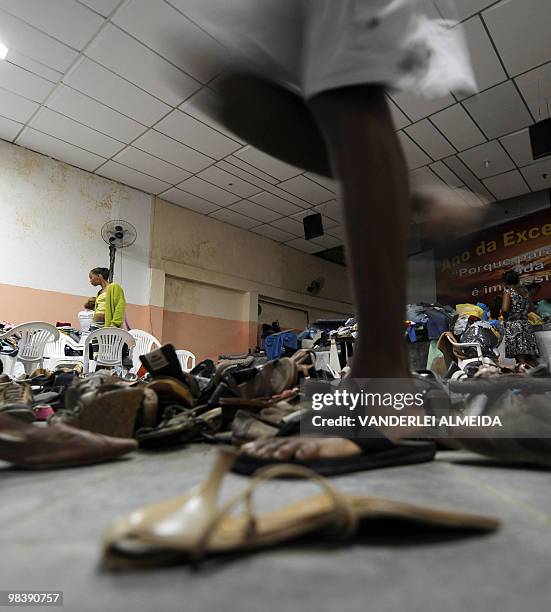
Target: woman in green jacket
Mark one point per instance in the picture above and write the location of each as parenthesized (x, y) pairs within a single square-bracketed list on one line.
[(110, 302)]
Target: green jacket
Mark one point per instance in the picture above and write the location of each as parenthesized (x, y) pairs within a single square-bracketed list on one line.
[(115, 306)]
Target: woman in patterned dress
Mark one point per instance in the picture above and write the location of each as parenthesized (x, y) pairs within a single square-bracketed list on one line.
[(520, 341)]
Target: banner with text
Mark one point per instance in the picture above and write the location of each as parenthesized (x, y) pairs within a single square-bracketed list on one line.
[(470, 269)]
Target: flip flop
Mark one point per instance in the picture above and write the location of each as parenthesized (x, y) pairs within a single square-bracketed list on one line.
[(194, 526), (376, 452)]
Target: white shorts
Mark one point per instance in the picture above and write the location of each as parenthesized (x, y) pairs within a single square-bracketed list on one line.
[(311, 46)]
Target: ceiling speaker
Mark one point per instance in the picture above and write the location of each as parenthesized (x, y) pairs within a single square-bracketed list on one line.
[(313, 226), (540, 138)]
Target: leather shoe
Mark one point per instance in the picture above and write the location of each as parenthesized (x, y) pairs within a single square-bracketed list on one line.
[(33, 447)]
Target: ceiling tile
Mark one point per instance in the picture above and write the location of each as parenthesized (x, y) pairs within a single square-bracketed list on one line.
[(269, 200), (459, 128), (237, 167), (487, 68), (103, 7), (446, 174), (415, 157), (461, 9), (228, 181), (508, 185), (520, 30), (430, 139), (172, 151), (285, 195), (170, 34), (339, 232), (425, 177), (292, 226), (125, 56), (468, 178), (24, 83), (324, 181), (9, 128), (65, 20), (268, 164), (66, 129), (518, 147), (83, 109), (187, 200), (131, 177), (398, 117), (16, 34), (101, 84), (204, 106), (487, 159), (250, 209), (418, 108), (207, 191), (195, 134), (327, 241), (15, 107), (148, 164), (511, 116), (37, 141), (38, 68), (307, 190), (234, 218), (535, 87), (273, 232), (534, 175), (304, 245), (333, 210)]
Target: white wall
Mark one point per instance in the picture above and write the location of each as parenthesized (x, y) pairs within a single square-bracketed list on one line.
[(51, 216)]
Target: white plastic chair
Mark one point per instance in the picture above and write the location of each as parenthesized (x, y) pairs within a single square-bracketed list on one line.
[(478, 359), (54, 353), (145, 343), (110, 342), (186, 359), (34, 337)]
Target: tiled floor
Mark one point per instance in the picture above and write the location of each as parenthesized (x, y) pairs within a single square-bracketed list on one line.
[(51, 525)]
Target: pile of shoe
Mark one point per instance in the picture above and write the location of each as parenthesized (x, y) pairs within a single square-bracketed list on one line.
[(232, 401)]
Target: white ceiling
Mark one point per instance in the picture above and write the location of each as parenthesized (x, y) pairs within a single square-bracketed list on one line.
[(101, 85)]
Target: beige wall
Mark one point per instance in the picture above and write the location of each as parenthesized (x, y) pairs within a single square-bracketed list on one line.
[(207, 277)]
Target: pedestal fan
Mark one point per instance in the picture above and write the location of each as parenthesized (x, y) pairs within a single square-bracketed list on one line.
[(118, 234)]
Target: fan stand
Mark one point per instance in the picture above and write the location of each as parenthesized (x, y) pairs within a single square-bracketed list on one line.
[(112, 252)]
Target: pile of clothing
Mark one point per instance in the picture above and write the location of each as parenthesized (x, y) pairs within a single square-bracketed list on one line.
[(427, 321)]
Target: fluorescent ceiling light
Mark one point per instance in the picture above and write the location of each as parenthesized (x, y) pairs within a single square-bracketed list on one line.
[(3, 51)]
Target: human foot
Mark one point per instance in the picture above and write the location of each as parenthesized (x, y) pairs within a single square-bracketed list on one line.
[(302, 448)]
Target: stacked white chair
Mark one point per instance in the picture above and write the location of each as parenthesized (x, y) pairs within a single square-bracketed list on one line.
[(186, 359), (110, 341), (34, 337), (145, 343), (54, 353)]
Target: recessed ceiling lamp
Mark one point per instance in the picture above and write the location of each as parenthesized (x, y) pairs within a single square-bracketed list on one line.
[(3, 51)]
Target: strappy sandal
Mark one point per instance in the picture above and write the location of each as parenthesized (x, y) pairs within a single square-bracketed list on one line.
[(193, 526)]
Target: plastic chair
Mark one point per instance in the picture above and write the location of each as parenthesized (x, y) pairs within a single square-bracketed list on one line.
[(110, 342), (186, 359), (145, 343), (459, 355), (34, 337), (55, 355)]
